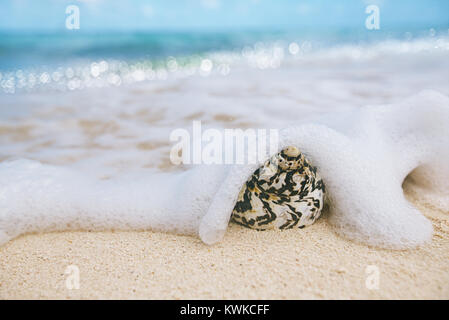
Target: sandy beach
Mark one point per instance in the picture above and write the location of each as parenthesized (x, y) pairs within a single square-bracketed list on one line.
[(312, 263), (138, 139)]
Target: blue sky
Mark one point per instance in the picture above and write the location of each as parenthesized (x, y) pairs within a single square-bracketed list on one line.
[(218, 14)]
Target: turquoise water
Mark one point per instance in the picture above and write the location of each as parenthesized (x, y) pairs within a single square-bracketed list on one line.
[(33, 34), (32, 61), (24, 50)]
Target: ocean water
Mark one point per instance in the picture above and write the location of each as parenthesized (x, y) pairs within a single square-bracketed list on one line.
[(31, 61), (85, 124), (21, 49)]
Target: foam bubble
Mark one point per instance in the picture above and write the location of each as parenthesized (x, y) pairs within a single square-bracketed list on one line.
[(35, 197), (364, 156)]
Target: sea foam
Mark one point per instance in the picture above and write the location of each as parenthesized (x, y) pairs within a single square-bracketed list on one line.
[(363, 155)]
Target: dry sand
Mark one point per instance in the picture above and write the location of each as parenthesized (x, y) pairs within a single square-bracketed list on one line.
[(295, 264)]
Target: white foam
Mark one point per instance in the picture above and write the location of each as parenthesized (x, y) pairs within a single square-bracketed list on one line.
[(364, 157), (35, 197)]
